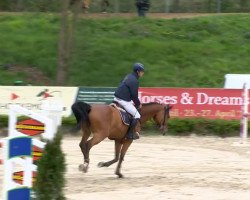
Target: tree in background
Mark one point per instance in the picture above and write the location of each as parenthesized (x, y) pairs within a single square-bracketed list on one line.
[(65, 45), (4, 5), (210, 5), (176, 5), (244, 5), (128, 5)]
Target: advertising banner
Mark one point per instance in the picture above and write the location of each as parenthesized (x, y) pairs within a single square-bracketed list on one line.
[(31, 97), (197, 102), (211, 103)]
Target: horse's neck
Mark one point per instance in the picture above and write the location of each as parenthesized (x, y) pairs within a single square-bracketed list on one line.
[(145, 118), (148, 113)]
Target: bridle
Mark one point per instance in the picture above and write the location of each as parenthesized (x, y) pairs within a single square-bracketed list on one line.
[(163, 124)]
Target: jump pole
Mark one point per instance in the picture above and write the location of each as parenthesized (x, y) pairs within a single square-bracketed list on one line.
[(1, 149), (17, 152), (244, 117)]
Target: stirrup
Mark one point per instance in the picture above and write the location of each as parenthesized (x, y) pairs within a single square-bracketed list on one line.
[(136, 135), (133, 136)]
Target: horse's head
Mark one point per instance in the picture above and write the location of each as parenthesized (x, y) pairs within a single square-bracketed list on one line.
[(160, 114), (161, 118)]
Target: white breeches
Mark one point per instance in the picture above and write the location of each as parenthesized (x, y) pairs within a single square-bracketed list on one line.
[(129, 107)]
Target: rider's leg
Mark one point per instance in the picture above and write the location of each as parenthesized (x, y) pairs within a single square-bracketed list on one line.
[(130, 108), (132, 133)]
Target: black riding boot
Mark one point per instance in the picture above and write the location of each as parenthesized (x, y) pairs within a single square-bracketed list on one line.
[(132, 134)]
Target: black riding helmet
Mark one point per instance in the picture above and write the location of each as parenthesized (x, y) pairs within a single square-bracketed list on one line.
[(138, 67)]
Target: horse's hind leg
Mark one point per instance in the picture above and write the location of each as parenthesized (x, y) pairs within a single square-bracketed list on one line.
[(124, 149), (118, 146), (84, 148), (97, 138)]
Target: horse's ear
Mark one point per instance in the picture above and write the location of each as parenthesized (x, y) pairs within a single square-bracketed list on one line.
[(169, 107)]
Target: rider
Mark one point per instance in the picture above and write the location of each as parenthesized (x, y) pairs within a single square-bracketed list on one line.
[(126, 95), (142, 7)]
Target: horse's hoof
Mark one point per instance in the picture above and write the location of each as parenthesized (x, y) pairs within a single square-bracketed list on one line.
[(101, 164), (119, 175), (83, 168)]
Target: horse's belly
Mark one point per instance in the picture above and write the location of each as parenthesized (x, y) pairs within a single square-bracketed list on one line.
[(118, 132)]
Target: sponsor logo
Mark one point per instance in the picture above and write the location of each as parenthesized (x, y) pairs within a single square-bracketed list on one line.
[(44, 94), (157, 98), (203, 98), (14, 96)]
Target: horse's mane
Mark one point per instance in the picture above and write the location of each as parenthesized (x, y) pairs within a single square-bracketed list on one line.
[(150, 103)]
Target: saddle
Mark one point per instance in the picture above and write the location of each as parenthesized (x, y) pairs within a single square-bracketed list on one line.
[(125, 116)]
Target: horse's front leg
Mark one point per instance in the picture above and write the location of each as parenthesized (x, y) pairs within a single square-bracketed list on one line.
[(124, 149), (118, 145)]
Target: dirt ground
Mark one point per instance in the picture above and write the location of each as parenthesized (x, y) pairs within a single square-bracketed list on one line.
[(161, 167), (173, 168)]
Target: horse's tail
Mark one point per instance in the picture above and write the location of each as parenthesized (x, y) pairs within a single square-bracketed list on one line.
[(81, 111)]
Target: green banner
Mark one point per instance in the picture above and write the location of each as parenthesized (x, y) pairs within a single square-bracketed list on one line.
[(94, 95)]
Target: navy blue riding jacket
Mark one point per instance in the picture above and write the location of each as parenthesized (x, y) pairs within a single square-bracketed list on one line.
[(128, 89)]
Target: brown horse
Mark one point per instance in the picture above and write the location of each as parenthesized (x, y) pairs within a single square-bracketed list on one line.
[(105, 121)]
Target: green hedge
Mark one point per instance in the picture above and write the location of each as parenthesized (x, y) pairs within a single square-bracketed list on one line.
[(201, 127), (51, 168), (180, 127), (222, 128), (3, 121)]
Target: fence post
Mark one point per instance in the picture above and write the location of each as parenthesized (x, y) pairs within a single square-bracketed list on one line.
[(245, 114)]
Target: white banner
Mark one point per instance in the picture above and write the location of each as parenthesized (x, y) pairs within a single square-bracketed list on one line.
[(31, 97)]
